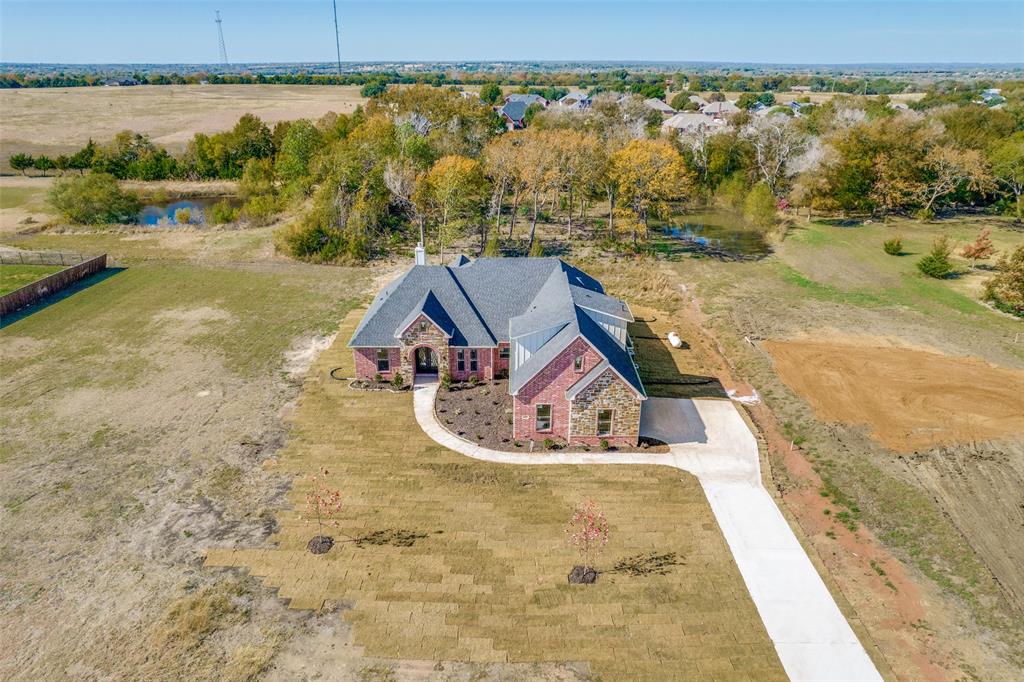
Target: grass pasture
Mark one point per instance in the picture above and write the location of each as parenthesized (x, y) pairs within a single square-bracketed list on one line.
[(457, 559), (16, 276)]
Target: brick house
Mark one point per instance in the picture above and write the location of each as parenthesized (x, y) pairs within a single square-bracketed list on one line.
[(547, 326)]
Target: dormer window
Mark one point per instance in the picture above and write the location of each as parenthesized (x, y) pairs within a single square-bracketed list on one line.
[(577, 364)]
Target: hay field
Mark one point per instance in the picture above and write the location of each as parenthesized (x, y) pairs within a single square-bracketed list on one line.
[(55, 120)]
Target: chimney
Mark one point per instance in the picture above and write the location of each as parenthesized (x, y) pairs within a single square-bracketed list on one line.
[(421, 254)]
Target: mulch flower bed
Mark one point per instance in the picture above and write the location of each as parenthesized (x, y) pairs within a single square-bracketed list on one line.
[(482, 413), (365, 385), (321, 544)]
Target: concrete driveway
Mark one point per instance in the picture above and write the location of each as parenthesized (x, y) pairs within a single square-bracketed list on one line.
[(709, 439)]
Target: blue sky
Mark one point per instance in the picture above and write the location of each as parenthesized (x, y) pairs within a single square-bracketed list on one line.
[(824, 31)]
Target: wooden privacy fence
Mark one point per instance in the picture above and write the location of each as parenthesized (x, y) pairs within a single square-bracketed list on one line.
[(30, 293)]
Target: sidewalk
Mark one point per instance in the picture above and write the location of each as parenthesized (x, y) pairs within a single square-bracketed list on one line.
[(709, 439)]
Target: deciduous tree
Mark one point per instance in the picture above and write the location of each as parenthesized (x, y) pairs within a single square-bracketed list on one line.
[(980, 249), (587, 532), (648, 174), (1007, 160), (454, 189)]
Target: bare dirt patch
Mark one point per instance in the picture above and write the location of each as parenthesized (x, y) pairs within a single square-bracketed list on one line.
[(910, 399)]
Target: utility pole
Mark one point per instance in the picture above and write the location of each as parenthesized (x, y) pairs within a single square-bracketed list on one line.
[(337, 39), (220, 35)]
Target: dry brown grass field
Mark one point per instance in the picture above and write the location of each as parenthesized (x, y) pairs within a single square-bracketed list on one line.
[(170, 114)]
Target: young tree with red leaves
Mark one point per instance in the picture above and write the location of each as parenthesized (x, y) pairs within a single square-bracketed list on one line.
[(981, 248), (588, 533), (323, 504)]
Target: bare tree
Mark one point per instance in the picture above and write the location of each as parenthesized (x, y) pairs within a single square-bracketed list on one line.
[(776, 141), (401, 177)]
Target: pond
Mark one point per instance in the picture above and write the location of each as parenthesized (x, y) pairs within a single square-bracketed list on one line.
[(195, 209), (713, 231)]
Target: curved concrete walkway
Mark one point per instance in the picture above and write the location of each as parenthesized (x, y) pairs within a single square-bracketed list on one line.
[(709, 439)]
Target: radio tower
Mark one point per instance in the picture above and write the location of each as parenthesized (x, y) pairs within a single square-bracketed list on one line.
[(337, 40), (220, 35)]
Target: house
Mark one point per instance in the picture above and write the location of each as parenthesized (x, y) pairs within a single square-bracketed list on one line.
[(528, 99), (698, 100), (547, 326), (576, 100), (513, 113), (659, 106), (801, 88), (691, 122), (720, 109)]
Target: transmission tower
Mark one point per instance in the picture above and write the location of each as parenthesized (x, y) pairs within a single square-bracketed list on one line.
[(337, 39), (220, 35)]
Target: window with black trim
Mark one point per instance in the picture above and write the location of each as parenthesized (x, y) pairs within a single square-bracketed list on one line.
[(604, 422), (460, 358), (577, 363), (472, 360), (503, 353), (383, 360), (543, 417)]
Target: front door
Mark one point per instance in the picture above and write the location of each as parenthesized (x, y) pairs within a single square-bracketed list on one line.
[(426, 361)]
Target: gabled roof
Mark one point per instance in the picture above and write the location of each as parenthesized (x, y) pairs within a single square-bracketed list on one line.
[(602, 303), (720, 108), (430, 307), (527, 98), (480, 297), (514, 110), (658, 105)]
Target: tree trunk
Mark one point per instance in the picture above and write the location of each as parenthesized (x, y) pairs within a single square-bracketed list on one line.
[(515, 212), (533, 223), (568, 235), (497, 209)]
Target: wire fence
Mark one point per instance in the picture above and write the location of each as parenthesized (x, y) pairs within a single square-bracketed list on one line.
[(17, 257)]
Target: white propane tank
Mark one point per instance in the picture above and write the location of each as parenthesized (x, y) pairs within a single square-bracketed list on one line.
[(674, 339)]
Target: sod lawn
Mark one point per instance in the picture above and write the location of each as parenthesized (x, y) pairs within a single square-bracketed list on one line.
[(456, 559)]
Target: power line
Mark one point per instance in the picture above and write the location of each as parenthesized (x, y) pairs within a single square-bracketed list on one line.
[(337, 39), (220, 35)]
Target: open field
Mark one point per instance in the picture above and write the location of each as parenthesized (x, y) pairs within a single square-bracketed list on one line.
[(948, 513), (465, 560), (16, 276), (134, 415), (170, 114)]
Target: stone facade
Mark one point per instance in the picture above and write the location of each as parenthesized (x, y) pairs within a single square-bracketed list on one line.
[(422, 332), (548, 387), (607, 391)]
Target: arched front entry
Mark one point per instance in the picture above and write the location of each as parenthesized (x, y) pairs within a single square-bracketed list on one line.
[(425, 361)]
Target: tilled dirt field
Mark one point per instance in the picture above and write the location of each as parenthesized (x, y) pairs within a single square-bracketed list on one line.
[(910, 399)]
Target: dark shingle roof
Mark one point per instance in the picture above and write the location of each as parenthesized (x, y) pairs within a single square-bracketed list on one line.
[(515, 110), (490, 300)]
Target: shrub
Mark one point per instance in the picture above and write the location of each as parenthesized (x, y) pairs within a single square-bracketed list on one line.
[(397, 381), (93, 199), (473, 380), (893, 247), (183, 216), (377, 378), (759, 207), (937, 264), (536, 251), (446, 382), (549, 444), (260, 210), (732, 192), (604, 444), (492, 249), (1006, 289), (925, 214), (223, 212)]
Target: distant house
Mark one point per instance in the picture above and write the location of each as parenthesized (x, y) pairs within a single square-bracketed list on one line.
[(898, 106), (801, 88), (698, 100), (692, 122), (469, 94), (720, 109), (115, 82), (991, 93), (528, 99), (546, 325), (576, 100), (513, 113), (659, 106)]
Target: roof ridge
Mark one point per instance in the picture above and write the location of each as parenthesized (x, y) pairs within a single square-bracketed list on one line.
[(471, 304)]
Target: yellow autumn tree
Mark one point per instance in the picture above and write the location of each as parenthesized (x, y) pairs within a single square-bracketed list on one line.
[(648, 174), (452, 192)]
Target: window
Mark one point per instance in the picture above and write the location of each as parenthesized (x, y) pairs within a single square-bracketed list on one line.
[(423, 325), (383, 360), (472, 360), (503, 353), (543, 417), (604, 422), (460, 357), (577, 363)]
